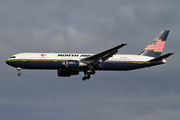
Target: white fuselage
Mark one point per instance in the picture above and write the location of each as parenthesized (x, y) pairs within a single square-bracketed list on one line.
[(56, 61), (76, 56)]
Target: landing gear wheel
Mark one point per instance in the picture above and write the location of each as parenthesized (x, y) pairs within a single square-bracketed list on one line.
[(93, 72), (84, 78), (88, 77), (19, 74), (19, 69), (88, 74)]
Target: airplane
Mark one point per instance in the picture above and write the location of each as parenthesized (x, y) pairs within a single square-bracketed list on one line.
[(68, 64)]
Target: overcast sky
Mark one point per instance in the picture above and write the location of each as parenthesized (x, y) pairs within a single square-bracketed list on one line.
[(89, 26)]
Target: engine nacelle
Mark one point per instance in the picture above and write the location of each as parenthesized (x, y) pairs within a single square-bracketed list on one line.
[(66, 73), (73, 64)]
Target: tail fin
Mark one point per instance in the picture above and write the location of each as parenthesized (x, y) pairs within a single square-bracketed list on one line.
[(155, 48)]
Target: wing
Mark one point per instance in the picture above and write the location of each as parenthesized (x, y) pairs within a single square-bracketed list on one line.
[(102, 55)]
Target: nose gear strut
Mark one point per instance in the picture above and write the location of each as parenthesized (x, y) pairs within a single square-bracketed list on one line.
[(19, 69)]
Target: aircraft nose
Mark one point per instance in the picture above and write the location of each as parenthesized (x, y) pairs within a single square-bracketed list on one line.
[(8, 62)]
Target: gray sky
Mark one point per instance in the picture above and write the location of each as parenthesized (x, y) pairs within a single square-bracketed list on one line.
[(89, 27)]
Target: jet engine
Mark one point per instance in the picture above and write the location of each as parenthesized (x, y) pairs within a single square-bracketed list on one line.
[(66, 73), (73, 64)]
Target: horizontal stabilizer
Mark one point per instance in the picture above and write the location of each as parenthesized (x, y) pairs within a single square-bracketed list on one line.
[(161, 57)]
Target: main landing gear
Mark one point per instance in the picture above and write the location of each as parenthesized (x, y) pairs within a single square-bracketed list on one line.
[(88, 74), (19, 73)]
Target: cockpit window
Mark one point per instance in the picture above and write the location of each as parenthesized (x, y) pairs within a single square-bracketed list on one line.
[(13, 57)]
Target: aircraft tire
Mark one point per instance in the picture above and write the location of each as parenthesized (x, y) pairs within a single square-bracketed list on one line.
[(88, 77), (84, 78), (19, 74), (93, 72)]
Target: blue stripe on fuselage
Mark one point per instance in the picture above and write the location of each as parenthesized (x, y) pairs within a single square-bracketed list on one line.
[(122, 66), (51, 64), (32, 64)]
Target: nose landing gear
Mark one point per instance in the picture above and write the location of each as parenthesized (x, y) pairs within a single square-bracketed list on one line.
[(19, 69)]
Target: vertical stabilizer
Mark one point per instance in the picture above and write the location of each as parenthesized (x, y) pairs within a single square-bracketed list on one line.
[(155, 48)]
